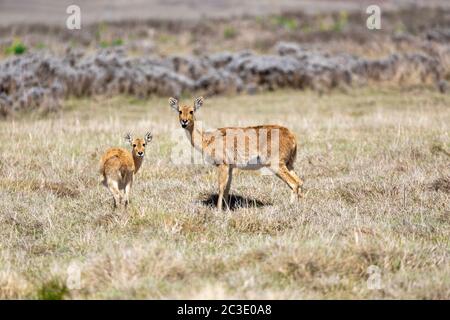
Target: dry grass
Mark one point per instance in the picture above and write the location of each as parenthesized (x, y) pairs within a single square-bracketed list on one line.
[(375, 165)]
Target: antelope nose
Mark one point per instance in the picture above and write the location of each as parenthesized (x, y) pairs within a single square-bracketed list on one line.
[(140, 153)]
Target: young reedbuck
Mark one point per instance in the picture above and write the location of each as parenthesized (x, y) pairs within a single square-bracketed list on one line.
[(118, 167), (248, 148)]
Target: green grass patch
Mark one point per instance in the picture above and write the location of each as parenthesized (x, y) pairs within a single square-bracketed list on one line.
[(112, 43), (52, 290), (16, 48), (285, 22), (230, 33)]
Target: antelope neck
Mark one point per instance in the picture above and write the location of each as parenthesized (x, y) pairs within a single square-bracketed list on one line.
[(137, 162), (194, 134)]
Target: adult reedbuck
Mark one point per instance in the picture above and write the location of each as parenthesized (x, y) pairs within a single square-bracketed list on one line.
[(118, 167), (249, 148)]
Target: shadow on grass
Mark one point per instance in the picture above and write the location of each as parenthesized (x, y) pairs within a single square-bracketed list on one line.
[(233, 202)]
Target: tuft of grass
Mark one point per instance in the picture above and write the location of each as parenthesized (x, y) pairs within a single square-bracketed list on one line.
[(230, 32), (285, 22), (306, 29), (326, 24), (260, 21), (335, 23), (341, 22), (112, 43), (166, 38), (100, 30), (117, 42), (441, 184), (104, 39), (16, 48), (400, 28), (52, 290), (437, 148), (40, 45)]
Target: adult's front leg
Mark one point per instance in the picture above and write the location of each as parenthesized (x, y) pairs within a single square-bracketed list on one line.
[(284, 174), (226, 194), (223, 181)]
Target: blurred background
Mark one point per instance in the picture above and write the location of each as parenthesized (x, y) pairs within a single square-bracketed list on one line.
[(49, 11), (178, 47)]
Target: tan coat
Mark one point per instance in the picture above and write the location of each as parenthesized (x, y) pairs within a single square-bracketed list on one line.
[(242, 147), (118, 167)]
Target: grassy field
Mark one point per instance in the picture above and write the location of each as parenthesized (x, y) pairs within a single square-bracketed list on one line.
[(377, 180)]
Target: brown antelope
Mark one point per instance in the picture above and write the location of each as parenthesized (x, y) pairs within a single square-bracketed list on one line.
[(247, 148), (118, 167)]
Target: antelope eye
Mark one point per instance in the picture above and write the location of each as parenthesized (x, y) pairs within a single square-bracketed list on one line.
[(143, 144), (134, 145), (191, 112), (179, 112)]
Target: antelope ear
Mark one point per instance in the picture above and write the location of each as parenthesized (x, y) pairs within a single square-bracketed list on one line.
[(148, 137), (198, 103), (173, 103), (128, 138)]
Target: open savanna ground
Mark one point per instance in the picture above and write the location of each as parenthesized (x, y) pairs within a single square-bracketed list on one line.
[(377, 186)]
